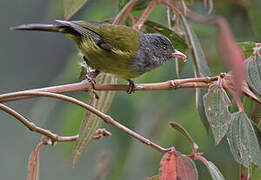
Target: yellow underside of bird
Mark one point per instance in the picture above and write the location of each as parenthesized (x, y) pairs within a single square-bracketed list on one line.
[(115, 62)]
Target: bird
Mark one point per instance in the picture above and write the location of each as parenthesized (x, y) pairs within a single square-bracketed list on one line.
[(116, 49)]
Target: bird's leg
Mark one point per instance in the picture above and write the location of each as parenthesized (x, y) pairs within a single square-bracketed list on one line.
[(94, 74), (89, 74), (91, 77), (133, 20), (132, 86)]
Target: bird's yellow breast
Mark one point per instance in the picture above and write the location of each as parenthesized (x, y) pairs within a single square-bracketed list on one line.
[(115, 61)]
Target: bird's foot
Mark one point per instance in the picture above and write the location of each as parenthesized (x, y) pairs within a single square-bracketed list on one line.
[(132, 86), (90, 76), (92, 81)]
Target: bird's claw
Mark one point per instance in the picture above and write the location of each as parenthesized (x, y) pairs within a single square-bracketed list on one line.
[(132, 87), (92, 82)]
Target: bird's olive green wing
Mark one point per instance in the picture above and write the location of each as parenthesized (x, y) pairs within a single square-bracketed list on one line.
[(113, 37), (74, 29)]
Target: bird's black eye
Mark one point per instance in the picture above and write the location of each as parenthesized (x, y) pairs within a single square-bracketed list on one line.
[(164, 47)]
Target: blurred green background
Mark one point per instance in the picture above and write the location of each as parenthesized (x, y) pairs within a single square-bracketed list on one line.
[(39, 59)]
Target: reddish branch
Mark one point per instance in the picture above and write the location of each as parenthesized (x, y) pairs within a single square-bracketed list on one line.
[(31, 126), (199, 157), (124, 13), (55, 137), (149, 9), (85, 86)]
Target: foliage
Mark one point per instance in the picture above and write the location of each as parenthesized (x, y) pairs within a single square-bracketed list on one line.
[(215, 96)]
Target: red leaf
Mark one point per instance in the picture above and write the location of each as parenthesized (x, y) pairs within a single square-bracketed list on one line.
[(33, 164), (243, 175), (175, 166), (168, 164), (231, 53)]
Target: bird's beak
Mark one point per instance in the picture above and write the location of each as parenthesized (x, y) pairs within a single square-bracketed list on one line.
[(178, 54)]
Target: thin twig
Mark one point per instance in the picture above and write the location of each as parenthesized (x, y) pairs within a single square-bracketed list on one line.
[(85, 86), (31, 126), (101, 133), (145, 15), (123, 14), (67, 88), (176, 10), (103, 116), (200, 19), (149, 9), (199, 157), (53, 137)]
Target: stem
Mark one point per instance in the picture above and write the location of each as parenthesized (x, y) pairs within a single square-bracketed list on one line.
[(149, 9), (53, 137), (123, 14), (145, 15), (103, 116), (178, 13), (199, 157), (85, 86), (67, 88), (31, 126)]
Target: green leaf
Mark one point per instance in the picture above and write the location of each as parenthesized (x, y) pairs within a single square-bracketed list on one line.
[(122, 3), (200, 68), (183, 131), (249, 106), (71, 7), (152, 178), (242, 140), (200, 63), (140, 4), (91, 122), (254, 15), (257, 132), (256, 173), (254, 170), (200, 92), (247, 47), (179, 67), (216, 104), (189, 2), (214, 172), (253, 73)]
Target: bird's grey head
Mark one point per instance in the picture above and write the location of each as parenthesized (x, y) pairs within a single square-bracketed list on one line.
[(155, 50), (160, 46)]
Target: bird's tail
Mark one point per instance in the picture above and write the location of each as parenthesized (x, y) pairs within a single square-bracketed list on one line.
[(39, 27)]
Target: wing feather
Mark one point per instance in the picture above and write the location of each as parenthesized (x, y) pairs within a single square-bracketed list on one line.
[(118, 37)]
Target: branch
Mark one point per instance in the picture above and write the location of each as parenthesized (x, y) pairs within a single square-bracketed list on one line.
[(31, 126), (123, 14), (55, 137), (85, 86), (100, 133), (149, 9)]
